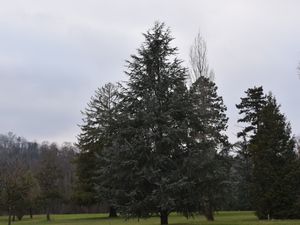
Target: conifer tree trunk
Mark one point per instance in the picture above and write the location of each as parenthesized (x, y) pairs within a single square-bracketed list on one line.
[(208, 211), (209, 215), (112, 212), (9, 216), (30, 213), (163, 217), (48, 214)]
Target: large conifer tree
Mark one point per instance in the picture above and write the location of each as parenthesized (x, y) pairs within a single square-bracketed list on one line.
[(207, 162), (144, 163), (208, 144), (268, 157), (275, 167), (249, 109)]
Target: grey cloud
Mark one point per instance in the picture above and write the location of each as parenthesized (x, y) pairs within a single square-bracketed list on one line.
[(54, 54)]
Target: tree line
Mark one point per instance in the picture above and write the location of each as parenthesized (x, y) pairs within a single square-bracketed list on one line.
[(35, 178), (157, 144)]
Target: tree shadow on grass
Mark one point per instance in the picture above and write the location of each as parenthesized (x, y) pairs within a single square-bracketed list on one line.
[(95, 218)]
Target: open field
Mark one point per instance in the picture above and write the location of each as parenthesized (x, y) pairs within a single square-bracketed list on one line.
[(222, 218)]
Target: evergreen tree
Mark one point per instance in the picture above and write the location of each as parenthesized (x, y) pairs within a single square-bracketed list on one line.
[(144, 165), (96, 134), (208, 159), (275, 166), (241, 176), (250, 108)]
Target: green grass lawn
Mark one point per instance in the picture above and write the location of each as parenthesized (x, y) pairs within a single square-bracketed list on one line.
[(222, 218)]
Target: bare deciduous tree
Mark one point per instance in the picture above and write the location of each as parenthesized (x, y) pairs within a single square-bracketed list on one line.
[(298, 70), (12, 189), (198, 60)]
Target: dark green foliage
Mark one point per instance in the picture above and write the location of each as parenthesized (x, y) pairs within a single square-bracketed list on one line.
[(208, 120), (241, 174), (98, 119), (275, 166), (166, 148), (84, 193), (250, 107), (207, 159), (268, 163), (96, 134), (144, 163)]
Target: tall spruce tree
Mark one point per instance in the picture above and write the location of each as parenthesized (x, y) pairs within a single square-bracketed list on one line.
[(275, 182), (207, 124), (208, 159), (96, 134), (144, 165), (249, 109)]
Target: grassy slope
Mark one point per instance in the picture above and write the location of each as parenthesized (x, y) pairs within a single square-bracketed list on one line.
[(222, 218)]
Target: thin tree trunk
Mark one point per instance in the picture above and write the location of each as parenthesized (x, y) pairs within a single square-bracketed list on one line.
[(14, 217), (9, 216), (112, 212), (48, 214), (30, 213), (163, 217), (209, 213)]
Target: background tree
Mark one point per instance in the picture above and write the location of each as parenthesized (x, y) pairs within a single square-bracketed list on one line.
[(28, 193), (275, 166), (49, 176), (198, 60), (12, 189), (96, 134), (249, 108), (15, 187), (209, 144), (67, 154), (240, 177), (207, 125), (33, 192), (298, 146), (16, 152)]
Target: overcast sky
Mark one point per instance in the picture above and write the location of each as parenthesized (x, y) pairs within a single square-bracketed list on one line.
[(55, 53)]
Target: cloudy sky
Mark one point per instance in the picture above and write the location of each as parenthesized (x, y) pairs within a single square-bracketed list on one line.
[(55, 53)]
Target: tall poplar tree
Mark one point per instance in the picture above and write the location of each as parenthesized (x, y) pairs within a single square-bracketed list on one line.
[(207, 162)]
